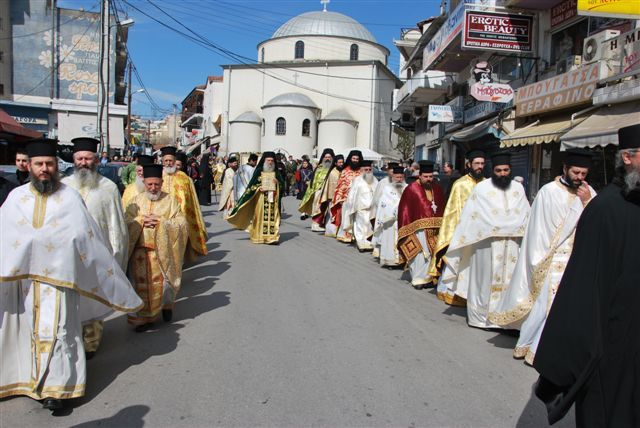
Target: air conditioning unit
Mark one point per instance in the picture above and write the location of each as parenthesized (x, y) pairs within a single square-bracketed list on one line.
[(406, 118), (593, 48), (418, 112), (570, 63)]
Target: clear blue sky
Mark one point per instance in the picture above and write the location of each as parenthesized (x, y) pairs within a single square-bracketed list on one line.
[(171, 65)]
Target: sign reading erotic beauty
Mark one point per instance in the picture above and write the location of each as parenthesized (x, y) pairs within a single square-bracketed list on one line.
[(497, 31), (565, 90)]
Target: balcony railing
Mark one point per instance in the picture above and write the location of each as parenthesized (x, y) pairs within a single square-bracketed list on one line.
[(433, 81)]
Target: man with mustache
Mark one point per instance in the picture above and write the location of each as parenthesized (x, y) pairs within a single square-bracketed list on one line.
[(545, 250), (460, 191), (485, 245), (259, 207), (347, 175), (227, 199), (137, 186), (419, 219), (53, 257), (243, 176), (588, 352), (102, 198), (179, 185), (157, 233), (385, 228), (357, 208), (374, 204), (321, 212), (310, 205)]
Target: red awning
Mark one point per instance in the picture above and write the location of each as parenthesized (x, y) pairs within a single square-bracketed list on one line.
[(8, 125)]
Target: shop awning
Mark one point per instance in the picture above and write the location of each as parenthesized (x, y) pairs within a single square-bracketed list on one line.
[(197, 144), (479, 130), (601, 128), (540, 132), (9, 127)]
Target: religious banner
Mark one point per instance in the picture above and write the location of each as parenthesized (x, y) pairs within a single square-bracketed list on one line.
[(497, 31), (610, 8), (563, 12), (565, 90)]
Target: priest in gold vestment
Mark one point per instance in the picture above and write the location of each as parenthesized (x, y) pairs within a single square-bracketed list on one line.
[(458, 196), (179, 185), (259, 207), (136, 187), (157, 242)]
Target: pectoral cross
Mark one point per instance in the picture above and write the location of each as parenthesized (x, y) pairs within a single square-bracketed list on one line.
[(324, 4), (434, 207)]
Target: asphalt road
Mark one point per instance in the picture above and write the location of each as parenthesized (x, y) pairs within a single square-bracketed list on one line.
[(307, 333)]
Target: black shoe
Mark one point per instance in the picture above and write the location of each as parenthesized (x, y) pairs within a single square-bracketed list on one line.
[(418, 287), (142, 328), (52, 404), (167, 314), (89, 355)]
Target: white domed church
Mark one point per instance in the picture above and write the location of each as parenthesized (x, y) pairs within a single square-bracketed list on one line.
[(321, 81)]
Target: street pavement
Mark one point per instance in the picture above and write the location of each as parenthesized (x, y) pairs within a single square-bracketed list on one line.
[(307, 333)]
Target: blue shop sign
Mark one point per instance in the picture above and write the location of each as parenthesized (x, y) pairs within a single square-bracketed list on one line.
[(30, 117), (483, 109)]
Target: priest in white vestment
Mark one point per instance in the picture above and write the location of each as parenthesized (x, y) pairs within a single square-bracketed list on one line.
[(243, 176), (53, 257), (357, 208), (385, 228), (374, 204), (227, 196), (102, 198), (485, 245), (546, 248)]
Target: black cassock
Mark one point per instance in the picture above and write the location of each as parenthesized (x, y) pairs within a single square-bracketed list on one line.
[(589, 352)]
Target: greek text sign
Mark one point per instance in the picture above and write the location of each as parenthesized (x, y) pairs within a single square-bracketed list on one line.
[(443, 38), (440, 113), (563, 12), (493, 92), (497, 31), (610, 8), (565, 90)]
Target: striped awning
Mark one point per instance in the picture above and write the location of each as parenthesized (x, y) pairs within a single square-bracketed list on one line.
[(540, 132)]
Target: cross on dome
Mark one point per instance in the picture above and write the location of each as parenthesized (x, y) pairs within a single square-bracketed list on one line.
[(324, 4)]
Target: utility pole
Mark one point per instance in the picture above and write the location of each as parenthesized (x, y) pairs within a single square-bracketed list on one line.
[(54, 49), (103, 70), (149, 131), (129, 107), (175, 123)]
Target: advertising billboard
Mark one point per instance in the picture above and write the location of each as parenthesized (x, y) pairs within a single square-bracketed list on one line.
[(497, 31)]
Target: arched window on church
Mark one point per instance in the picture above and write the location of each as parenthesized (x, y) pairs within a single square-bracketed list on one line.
[(306, 128), (281, 126), (354, 52), (299, 50), (262, 55), (263, 127)]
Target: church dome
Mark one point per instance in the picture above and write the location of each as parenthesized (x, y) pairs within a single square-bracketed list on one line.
[(247, 117), (339, 115), (324, 23), (291, 99)]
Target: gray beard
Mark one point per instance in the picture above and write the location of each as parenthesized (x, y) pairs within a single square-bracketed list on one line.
[(139, 184), (86, 177), (398, 186), (368, 177), (151, 196), (170, 170), (46, 187), (326, 164), (631, 182), (269, 168)]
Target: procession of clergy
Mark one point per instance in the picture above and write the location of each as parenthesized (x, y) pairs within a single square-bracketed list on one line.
[(73, 250)]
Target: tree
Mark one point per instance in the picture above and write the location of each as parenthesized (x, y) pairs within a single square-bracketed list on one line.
[(406, 143)]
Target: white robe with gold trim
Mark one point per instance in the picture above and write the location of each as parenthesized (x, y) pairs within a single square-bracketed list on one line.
[(385, 230), (53, 255), (484, 248), (356, 211)]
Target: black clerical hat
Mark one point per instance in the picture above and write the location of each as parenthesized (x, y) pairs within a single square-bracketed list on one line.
[(578, 157), (398, 170), (367, 163), (327, 151), (43, 147), (85, 144), (474, 154), (232, 159), (501, 158), (253, 157), (338, 157), (181, 156), (629, 137), (149, 171), (354, 153), (426, 166), (145, 160), (168, 150), (269, 155), (392, 165)]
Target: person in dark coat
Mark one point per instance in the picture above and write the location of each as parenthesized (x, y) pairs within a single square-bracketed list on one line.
[(589, 352), (206, 178)]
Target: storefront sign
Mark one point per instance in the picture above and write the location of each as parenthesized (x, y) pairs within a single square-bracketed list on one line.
[(443, 38), (565, 90), (626, 48), (440, 113), (30, 120), (481, 110), (497, 31), (610, 8), (457, 105), (563, 12), (492, 92)]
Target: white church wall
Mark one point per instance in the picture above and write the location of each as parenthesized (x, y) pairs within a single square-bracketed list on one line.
[(292, 142), (320, 49), (337, 135), (212, 106), (244, 137)]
